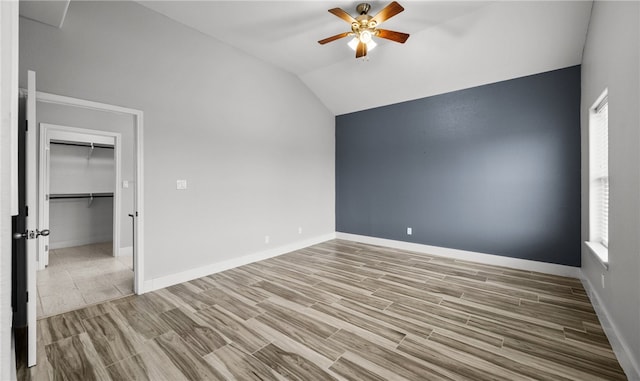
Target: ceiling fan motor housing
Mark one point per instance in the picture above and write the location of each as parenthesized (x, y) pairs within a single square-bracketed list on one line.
[(363, 8)]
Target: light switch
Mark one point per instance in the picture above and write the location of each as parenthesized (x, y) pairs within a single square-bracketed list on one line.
[(125, 183), (181, 184)]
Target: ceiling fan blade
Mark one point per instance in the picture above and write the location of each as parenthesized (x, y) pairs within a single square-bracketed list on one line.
[(333, 38), (388, 12), (361, 50), (392, 35), (343, 15)]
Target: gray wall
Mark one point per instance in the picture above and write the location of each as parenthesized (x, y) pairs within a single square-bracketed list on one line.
[(493, 169), (611, 61), (255, 145)]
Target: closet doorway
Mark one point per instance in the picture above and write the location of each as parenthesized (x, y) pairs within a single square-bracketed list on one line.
[(82, 260)]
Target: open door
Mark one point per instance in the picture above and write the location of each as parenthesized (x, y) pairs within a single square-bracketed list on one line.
[(32, 230)]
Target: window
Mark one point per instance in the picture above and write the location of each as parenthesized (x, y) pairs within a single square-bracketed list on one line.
[(599, 178)]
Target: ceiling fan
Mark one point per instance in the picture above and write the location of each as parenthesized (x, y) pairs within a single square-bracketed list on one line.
[(364, 27)]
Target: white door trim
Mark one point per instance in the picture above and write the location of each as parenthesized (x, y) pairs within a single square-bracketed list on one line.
[(48, 132), (138, 127), (8, 174), (31, 200)]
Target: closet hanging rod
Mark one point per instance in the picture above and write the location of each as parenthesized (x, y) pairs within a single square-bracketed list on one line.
[(60, 196), (81, 144)]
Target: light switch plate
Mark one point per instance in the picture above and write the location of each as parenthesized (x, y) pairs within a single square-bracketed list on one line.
[(125, 183), (181, 184)]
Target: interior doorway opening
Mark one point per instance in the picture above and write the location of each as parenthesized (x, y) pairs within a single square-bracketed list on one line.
[(88, 256), (105, 119)]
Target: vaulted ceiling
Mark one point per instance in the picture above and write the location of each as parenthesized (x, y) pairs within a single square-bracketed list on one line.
[(453, 44)]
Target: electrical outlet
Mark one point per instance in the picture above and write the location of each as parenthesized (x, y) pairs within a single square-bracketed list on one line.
[(266, 239), (602, 278), (125, 183), (409, 231), (299, 230)]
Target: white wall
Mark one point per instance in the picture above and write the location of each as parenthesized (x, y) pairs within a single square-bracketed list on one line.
[(255, 145), (74, 223), (611, 61), (73, 171)]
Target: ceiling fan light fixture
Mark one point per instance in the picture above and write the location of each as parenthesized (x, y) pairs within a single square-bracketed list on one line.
[(353, 44), (365, 36)]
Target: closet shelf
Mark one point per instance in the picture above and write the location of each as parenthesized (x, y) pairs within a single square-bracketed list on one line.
[(82, 144), (59, 196)]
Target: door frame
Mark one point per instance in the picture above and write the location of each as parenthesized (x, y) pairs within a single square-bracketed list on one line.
[(8, 174), (138, 126), (46, 132)]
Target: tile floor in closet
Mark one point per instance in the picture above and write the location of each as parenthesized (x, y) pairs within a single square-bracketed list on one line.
[(80, 276)]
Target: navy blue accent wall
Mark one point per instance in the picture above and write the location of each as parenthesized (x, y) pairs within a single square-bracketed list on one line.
[(492, 169)]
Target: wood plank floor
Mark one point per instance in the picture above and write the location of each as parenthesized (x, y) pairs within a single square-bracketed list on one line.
[(337, 311)]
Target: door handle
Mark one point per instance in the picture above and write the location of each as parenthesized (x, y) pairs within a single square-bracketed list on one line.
[(31, 234), (20, 235)]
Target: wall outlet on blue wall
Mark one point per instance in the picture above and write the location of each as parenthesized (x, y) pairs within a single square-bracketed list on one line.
[(409, 231)]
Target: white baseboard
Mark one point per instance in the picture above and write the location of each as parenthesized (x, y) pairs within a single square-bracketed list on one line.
[(489, 259), (127, 250), (629, 364), (184, 276), (78, 242)]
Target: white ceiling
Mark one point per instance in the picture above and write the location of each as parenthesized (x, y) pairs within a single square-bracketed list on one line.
[(453, 44), (47, 12)]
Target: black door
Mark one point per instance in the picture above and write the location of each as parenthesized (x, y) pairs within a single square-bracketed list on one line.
[(18, 246)]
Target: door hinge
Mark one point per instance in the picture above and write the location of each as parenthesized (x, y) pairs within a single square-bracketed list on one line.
[(26, 125), (26, 210), (27, 296)]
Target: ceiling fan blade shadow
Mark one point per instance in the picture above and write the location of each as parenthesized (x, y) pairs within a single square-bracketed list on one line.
[(393, 35), (388, 12), (333, 38), (361, 50), (343, 15)]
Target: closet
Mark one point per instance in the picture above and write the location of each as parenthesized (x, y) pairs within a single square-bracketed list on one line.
[(81, 184)]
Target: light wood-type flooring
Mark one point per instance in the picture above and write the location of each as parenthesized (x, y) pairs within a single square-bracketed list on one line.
[(337, 311)]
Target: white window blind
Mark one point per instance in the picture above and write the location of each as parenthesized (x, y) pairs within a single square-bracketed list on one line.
[(600, 172)]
